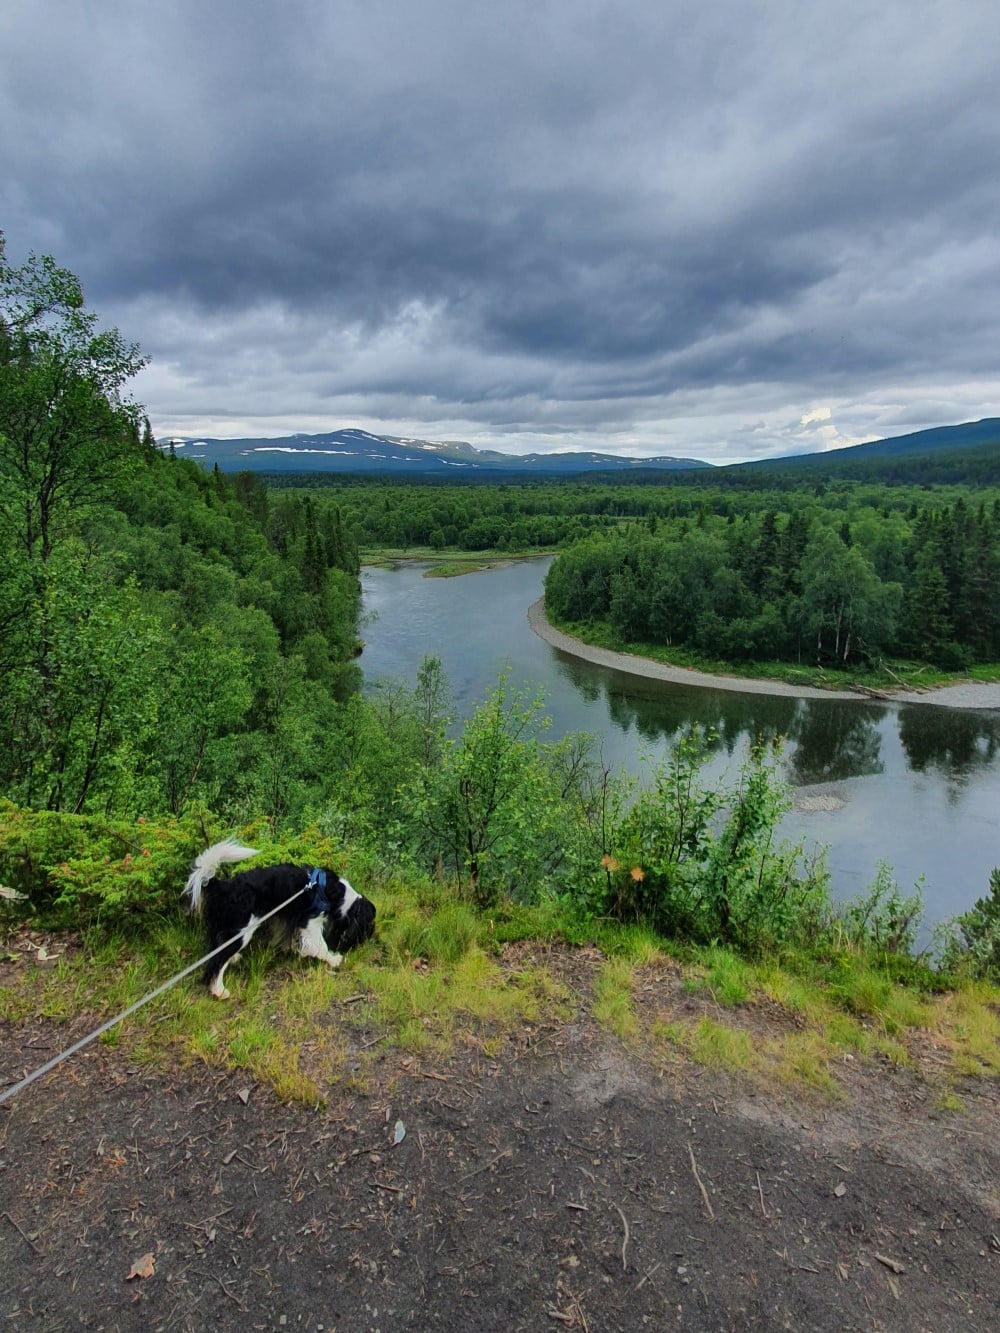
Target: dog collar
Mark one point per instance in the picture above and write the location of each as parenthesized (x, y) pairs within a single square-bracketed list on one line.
[(315, 889)]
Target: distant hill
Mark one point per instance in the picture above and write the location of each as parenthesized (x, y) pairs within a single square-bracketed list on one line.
[(968, 435), (355, 450)]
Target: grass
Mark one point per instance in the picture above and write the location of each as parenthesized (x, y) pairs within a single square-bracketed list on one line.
[(713, 1043), (446, 564), (727, 978), (793, 1022), (967, 1024), (613, 999), (440, 977)]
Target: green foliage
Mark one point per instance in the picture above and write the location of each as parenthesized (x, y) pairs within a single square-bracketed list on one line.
[(700, 863), (478, 804), (841, 585), (882, 919), (971, 941), (77, 868), (82, 706), (167, 637), (67, 435), (493, 807)]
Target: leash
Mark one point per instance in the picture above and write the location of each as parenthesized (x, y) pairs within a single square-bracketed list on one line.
[(85, 1041)]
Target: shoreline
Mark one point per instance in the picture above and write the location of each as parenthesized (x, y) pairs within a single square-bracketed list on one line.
[(981, 695)]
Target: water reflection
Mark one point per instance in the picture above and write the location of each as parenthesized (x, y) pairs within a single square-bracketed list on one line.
[(825, 740), (956, 743), (834, 741)]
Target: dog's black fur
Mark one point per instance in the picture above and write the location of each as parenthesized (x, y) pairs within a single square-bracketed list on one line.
[(323, 922)]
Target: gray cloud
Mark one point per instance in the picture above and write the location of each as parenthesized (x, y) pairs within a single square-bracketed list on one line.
[(639, 227)]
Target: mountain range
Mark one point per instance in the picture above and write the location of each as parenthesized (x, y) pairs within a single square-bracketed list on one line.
[(354, 450)]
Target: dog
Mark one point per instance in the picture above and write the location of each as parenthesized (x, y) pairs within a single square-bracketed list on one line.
[(324, 918)]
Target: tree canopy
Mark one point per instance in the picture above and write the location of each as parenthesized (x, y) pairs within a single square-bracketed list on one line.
[(166, 635)]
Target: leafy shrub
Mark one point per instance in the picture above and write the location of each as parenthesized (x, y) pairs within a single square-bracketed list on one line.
[(972, 940), (883, 919), (75, 868), (702, 863), (484, 806), (953, 656)]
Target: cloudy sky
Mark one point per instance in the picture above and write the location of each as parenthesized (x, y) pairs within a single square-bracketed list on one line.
[(698, 227)]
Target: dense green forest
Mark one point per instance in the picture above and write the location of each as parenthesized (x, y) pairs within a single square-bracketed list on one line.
[(818, 582), (166, 636), (835, 573)]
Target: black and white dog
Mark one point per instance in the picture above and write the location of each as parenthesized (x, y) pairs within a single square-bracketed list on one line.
[(324, 918)]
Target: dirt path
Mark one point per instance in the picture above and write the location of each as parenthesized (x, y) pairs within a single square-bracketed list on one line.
[(968, 694), (563, 1184)]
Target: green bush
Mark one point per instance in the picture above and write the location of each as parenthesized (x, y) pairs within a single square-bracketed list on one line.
[(77, 868), (701, 863), (882, 919), (972, 940)]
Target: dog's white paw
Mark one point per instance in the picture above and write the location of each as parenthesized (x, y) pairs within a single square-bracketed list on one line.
[(335, 960), (220, 993)]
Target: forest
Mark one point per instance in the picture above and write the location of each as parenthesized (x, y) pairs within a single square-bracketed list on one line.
[(822, 583), (833, 572), (166, 635)]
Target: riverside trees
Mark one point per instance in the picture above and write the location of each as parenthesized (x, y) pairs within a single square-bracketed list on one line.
[(823, 583)]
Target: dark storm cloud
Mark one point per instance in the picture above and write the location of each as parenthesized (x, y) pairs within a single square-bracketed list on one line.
[(649, 224)]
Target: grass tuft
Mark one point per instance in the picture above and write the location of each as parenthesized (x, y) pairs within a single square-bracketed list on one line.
[(613, 998), (721, 1047)]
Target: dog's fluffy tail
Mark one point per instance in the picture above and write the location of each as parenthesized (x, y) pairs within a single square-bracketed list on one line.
[(206, 867)]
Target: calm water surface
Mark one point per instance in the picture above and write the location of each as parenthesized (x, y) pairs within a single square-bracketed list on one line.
[(915, 785)]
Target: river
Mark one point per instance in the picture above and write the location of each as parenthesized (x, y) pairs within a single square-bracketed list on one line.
[(914, 785)]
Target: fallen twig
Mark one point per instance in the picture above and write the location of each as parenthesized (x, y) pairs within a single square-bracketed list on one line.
[(626, 1240), (760, 1191), (892, 1264), (704, 1192), (24, 1236), (646, 1278), (507, 1152), (235, 1299)]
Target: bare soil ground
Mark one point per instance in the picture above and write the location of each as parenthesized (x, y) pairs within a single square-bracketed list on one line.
[(564, 1183)]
